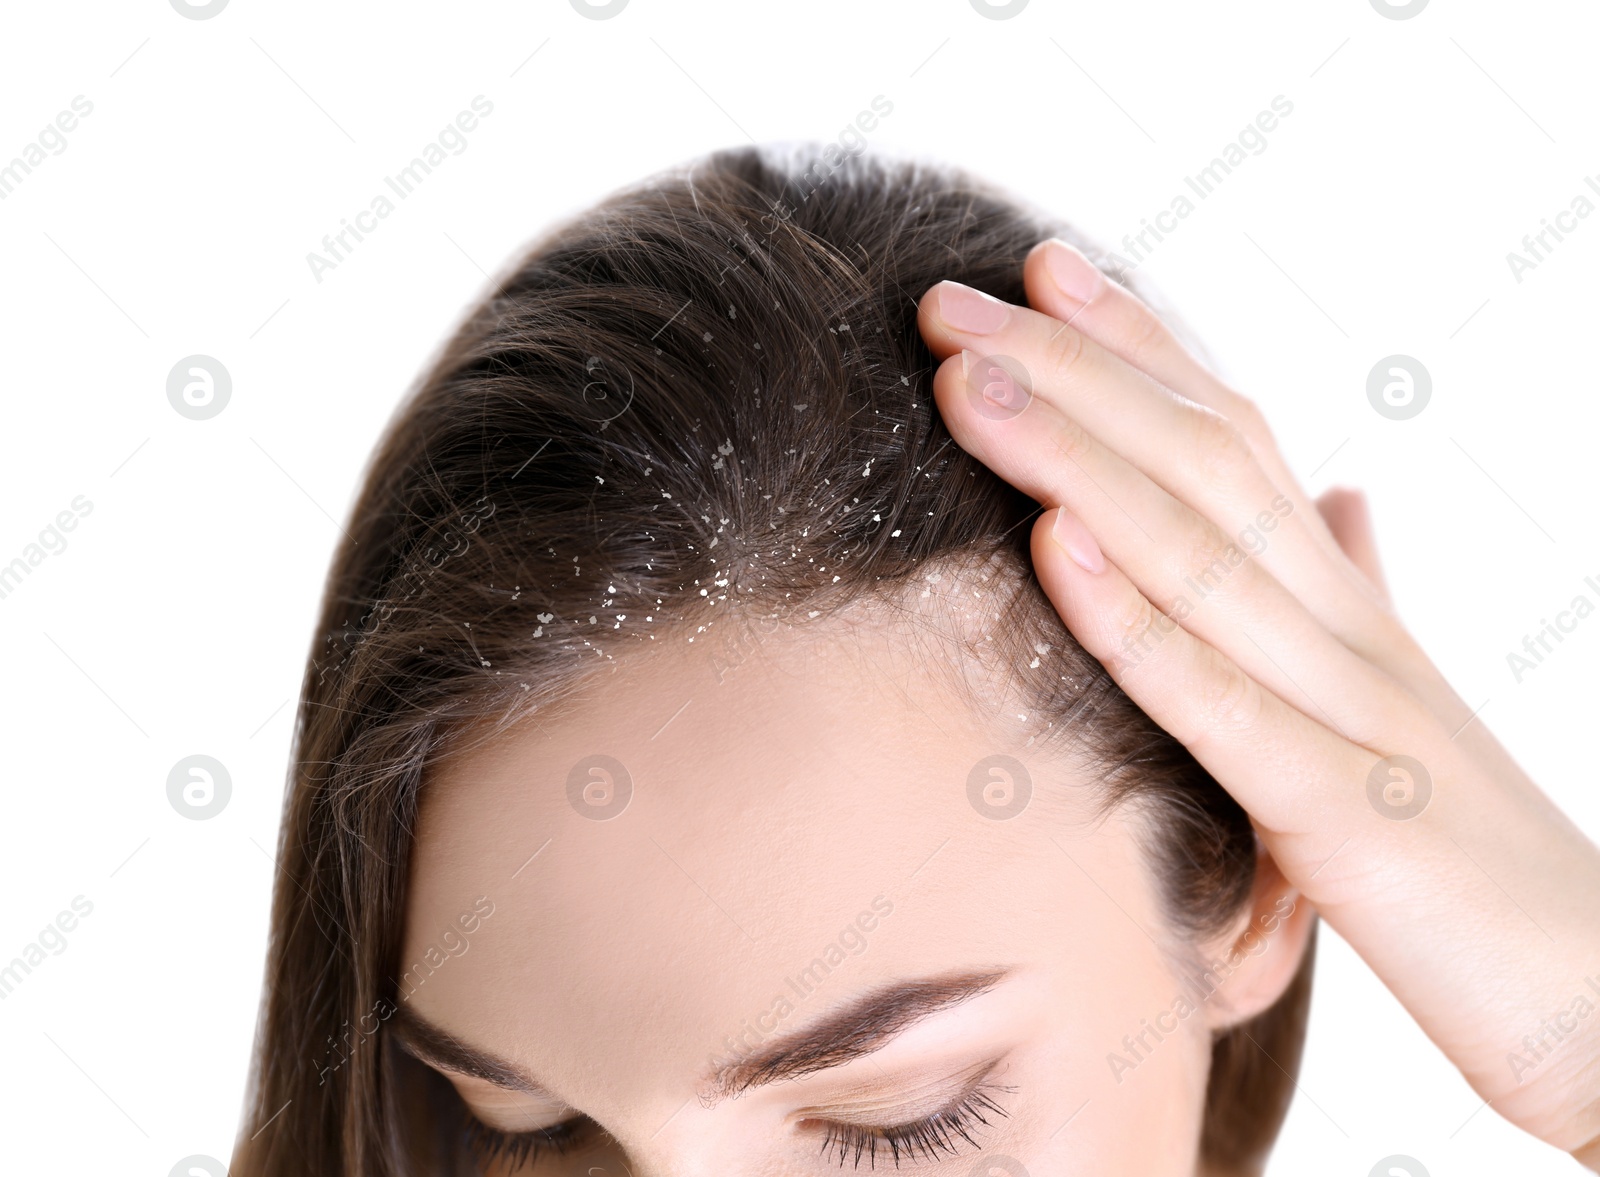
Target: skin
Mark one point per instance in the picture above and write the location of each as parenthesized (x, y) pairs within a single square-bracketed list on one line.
[(1479, 911), (767, 818), (621, 954)]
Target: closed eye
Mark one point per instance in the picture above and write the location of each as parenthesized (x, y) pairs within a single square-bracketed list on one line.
[(515, 1150), (945, 1133)]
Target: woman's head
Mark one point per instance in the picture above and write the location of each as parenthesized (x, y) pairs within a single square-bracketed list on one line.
[(687, 737)]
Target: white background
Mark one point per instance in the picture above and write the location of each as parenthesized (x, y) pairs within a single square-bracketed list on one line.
[(221, 151)]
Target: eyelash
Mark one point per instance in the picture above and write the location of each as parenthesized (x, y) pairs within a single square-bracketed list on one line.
[(521, 1148), (929, 1136)]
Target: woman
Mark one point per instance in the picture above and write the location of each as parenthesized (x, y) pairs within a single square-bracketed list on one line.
[(713, 760)]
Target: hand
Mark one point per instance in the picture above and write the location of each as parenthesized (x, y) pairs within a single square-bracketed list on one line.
[(1181, 553)]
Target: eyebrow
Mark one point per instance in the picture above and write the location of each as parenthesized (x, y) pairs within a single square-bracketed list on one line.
[(446, 1052), (853, 1031)]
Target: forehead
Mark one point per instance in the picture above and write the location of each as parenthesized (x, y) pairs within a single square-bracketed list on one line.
[(679, 847)]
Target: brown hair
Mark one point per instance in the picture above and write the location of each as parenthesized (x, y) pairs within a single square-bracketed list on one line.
[(705, 399)]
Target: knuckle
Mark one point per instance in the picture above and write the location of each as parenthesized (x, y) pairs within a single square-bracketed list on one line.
[(1136, 633), (1145, 337), (1251, 423), (1228, 701), (1071, 440), (1139, 618), (1222, 453), (1211, 557), (1064, 351), (1247, 415)]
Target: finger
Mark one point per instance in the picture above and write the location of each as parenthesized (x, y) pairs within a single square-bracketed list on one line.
[(1296, 777), (1064, 284), (1196, 454), (1213, 583), (1427, 877), (1348, 519), (1192, 451)]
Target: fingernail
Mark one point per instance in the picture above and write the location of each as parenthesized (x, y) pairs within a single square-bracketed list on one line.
[(971, 310), (1074, 275), (1068, 531)]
